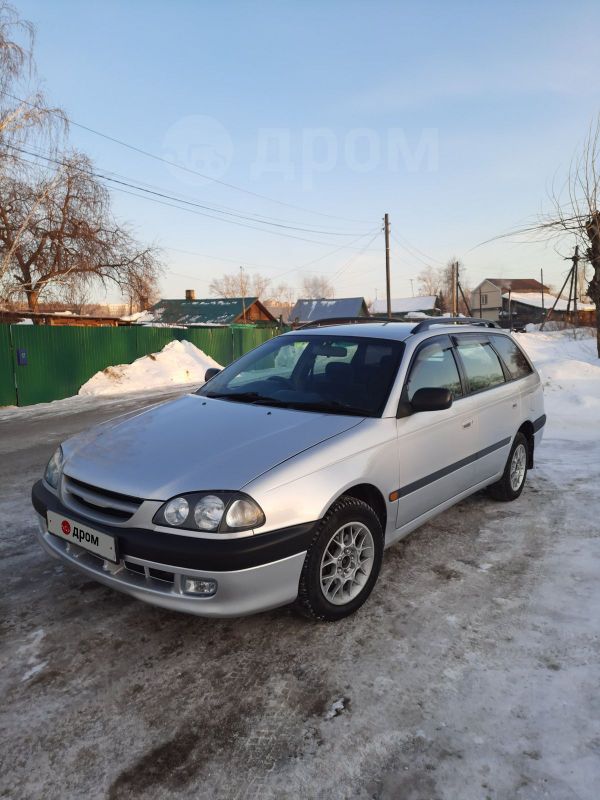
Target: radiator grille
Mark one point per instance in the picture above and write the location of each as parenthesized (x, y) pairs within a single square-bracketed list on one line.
[(97, 503)]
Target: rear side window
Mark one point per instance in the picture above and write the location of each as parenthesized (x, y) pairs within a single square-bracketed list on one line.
[(481, 364), (434, 368), (512, 355)]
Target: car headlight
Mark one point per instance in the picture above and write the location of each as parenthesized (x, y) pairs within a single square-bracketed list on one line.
[(216, 512), (244, 513), (176, 511), (208, 512), (54, 468)]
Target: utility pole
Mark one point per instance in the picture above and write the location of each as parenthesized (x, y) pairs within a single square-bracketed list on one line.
[(412, 288), (243, 293), (575, 288), (386, 224), (542, 282), (454, 289), (551, 312)]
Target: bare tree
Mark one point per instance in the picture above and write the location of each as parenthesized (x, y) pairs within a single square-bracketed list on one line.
[(141, 287), (439, 282), (282, 293), (239, 284), (429, 280), (59, 231), (576, 212), (316, 287), (21, 117)]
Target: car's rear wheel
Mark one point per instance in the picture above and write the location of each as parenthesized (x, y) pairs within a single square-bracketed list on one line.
[(343, 561), (511, 484)]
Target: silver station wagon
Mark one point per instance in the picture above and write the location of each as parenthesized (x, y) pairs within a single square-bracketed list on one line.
[(285, 477)]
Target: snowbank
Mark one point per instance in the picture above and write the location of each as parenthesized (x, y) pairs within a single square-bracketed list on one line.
[(570, 372), (177, 363)]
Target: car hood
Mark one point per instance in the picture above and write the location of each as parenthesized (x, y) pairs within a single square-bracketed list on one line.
[(194, 443)]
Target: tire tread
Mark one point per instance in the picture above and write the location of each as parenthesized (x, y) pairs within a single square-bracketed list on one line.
[(303, 602)]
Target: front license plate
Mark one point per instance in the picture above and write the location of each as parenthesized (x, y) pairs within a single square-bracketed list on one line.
[(101, 544)]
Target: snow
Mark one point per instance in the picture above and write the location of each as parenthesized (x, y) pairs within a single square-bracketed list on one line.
[(402, 305), (178, 363), (539, 300), (471, 672), (570, 371), (137, 316)]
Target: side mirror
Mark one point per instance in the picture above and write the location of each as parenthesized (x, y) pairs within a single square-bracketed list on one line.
[(210, 373), (430, 399)]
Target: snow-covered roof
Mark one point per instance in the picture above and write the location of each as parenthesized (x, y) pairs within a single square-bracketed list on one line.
[(138, 316), (518, 284), (404, 305), (534, 299), (311, 310), (209, 310)]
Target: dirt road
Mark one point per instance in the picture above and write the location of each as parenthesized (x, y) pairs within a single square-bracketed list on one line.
[(472, 672)]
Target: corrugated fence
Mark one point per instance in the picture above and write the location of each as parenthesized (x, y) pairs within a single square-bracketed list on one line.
[(39, 363)]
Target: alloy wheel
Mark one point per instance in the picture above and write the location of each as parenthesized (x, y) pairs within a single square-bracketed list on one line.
[(347, 563)]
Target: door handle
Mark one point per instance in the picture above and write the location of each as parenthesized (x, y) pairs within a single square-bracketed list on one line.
[(514, 405), (468, 423)]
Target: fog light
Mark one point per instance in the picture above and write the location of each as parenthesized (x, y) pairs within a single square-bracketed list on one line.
[(203, 587)]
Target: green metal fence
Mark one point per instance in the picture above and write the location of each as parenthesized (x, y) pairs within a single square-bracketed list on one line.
[(40, 363), (8, 394)]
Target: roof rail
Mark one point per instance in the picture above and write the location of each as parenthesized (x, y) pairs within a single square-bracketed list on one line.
[(321, 323), (428, 323)]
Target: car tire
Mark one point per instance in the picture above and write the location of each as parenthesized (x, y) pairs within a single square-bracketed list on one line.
[(342, 563), (511, 484)]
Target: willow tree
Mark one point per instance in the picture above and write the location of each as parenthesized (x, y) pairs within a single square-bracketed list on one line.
[(25, 117), (58, 230)]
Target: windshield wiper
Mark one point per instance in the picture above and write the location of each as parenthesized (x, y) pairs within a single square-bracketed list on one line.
[(248, 397), (329, 406), (326, 406)]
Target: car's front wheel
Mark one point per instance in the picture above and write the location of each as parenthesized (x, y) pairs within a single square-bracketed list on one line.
[(511, 484), (343, 561)]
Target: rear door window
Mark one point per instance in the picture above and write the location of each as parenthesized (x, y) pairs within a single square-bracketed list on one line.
[(481, 364), (513, 356)]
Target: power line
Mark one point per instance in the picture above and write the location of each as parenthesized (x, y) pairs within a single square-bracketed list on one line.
[(414, 252), (177, 202), (162, 194), (176, 165), (356, 256), (283, 274)]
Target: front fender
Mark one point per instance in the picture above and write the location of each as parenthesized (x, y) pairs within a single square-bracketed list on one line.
[(303, 488)]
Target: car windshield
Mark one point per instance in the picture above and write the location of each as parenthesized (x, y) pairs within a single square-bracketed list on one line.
[(313, 372)]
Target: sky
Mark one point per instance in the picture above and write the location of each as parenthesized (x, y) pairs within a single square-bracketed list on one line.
[(455, 118)]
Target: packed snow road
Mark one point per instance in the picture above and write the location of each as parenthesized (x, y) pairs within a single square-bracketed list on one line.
[(471, 673)]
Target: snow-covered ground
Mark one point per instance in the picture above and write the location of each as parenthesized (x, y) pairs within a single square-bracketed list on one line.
[(178, 363), (570, 371), (472, 672)]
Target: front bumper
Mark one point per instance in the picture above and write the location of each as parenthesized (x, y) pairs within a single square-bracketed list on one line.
[(262, 571)]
